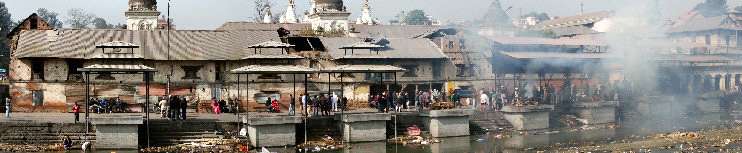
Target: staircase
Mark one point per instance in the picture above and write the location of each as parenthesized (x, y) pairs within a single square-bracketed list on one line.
[(488, 121), (43, 133), (167, 133)]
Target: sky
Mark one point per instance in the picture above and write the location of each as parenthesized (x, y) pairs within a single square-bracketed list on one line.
[(210, 14)]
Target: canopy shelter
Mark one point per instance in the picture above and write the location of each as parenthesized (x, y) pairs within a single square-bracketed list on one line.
[(112, 51), (271, 44), (271, 69), (118, 69), (361, 45), (341, 69)]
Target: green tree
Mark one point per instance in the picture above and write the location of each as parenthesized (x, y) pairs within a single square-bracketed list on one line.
[(78, 18), (100, 23), (5, 28), (417, 17), (539, 16), (50, 17)]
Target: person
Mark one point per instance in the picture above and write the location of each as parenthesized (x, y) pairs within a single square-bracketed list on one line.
[(174, 109), (223, 105), (163, 107), (334, 100), (275, 107), (7, 107), (323, 104), (215, 106), (67, 143), (268, 104), (304, 104), (76, 110), (183, 108), (292, 105), (483, 101), (119, 105), (344, 103), (103, 105), (315, 105)]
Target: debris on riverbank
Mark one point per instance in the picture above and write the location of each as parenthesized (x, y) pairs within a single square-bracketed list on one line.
[(413, 140), (326, 144), (216, 145), (30, 148)]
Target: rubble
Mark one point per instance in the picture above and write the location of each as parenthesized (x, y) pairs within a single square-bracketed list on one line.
[(327, 143), (216, 145)]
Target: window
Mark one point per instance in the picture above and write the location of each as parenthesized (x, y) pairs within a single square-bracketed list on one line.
[(450, 44), (37, 70), (218, 73), (411, 71), (38, 97), (72, 73), (191, 72)]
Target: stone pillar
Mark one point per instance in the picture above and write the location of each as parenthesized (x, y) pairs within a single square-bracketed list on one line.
[(272, 131), (364, 127), (447, 123), (528, 118), (117, 132)]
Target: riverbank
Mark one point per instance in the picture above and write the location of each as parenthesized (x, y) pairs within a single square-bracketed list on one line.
[(726, 139)]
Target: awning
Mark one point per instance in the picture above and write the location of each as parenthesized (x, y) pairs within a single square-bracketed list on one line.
[(281, 56), (274, 69), (362, 45), (117, 44), (271, 44), (363, 69), (116, 68)]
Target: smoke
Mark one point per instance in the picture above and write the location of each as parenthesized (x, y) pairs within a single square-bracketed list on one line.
[(634, 33)]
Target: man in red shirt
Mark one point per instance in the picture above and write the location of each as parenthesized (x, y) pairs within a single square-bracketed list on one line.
[(76, 110)]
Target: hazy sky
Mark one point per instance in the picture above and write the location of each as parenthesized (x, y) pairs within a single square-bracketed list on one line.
[(209, 14)]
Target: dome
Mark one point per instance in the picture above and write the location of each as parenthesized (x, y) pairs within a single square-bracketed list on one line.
[(142, 5), (327, 5)]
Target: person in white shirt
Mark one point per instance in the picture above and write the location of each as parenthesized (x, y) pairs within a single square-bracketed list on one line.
[(334, 101), (304, 103), (483, 101), (163, 107)]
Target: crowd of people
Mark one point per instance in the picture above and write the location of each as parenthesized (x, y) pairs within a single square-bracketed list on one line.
[(323, 105), (173, 107), (108, 105)]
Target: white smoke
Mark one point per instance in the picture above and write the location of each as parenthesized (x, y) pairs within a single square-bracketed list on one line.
[(635, 33)]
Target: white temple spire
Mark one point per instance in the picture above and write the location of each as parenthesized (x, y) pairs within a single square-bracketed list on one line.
[(366, 15), (290, 15)]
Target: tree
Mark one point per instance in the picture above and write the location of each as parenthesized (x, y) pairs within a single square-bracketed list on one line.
[(712, 8), (50, 17), (100, 23), (259, 9), (5, 28), (78, 18), (417, 17)]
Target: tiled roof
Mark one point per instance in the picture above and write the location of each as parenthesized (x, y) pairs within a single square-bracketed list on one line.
[(700, 23), (398, 48), (363, 69), (116, 68), (273, 69), (184, 44), (393, 31), (556, 55), (574, 20), (252, 26)]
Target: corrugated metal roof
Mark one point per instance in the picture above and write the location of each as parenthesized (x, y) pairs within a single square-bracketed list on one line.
[(548, 41), (556, 55), (184, 44), (116, 68), (393, 31), (398, 48), (274, 69), (363, 69)]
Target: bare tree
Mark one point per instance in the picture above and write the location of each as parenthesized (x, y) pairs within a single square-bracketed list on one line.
[(51, 17), (259, 6), (78, 18)]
